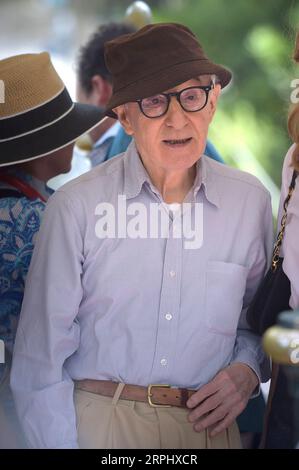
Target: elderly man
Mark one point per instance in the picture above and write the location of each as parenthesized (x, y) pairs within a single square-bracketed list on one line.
[(133, 331), (95, 87)]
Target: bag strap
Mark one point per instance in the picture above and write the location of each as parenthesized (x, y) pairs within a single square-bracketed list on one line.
[(277, 246)]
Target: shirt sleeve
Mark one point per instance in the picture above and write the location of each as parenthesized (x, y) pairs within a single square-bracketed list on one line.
[(248, 346), (48, 332)]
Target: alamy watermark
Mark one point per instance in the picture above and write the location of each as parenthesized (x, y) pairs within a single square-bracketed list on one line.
[(2, 352), (2, 92), (155, 220)]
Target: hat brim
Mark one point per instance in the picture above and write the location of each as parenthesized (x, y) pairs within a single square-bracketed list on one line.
[(166, 79), (81, 119)]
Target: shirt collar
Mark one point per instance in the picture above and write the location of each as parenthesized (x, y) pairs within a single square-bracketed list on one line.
[(205, 177), (135, 175), (111, 132)]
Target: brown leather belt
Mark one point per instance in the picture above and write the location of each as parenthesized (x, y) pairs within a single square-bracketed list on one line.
[(155, 395)]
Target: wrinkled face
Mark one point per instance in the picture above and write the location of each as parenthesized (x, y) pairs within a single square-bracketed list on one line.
[(176, 140)]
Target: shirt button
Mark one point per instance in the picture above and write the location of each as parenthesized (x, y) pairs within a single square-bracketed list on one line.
[(172, 273), (168, 316), (163, 362)]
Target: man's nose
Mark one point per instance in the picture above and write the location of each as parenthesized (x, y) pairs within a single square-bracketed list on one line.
[(175, 116)]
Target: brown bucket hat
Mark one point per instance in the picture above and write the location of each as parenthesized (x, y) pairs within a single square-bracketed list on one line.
[(155, 58)]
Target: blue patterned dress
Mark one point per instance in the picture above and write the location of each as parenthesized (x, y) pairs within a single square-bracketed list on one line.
[(20, 220)]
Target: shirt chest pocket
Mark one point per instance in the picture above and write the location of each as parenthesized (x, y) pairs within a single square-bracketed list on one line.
[(224, 292)]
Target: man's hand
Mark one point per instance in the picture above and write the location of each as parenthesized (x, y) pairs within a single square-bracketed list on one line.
[(219, 402)]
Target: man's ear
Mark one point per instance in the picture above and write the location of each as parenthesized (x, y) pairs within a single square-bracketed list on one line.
[(101, 90), (123, 117), (214, 95)]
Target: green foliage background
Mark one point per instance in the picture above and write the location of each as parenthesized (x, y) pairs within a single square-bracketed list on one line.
[(255, 40)]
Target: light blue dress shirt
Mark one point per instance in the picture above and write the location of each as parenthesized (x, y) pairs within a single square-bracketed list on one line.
[(140, 311), (101, 148)]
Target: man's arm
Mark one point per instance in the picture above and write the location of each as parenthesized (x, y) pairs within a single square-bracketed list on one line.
[(47, 333), (218, 403)]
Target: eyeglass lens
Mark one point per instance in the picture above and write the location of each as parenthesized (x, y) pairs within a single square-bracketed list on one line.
[(191, 99)]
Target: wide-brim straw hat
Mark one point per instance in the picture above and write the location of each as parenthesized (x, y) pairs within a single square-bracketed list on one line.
[(37, 115), (154, 59)]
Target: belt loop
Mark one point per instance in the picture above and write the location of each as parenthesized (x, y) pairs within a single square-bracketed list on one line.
[(117, 393)]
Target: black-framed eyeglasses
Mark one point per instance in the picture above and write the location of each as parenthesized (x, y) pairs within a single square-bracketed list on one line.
[(191, 99)]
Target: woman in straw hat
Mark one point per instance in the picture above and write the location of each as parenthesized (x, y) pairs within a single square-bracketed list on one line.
[(39, 124)]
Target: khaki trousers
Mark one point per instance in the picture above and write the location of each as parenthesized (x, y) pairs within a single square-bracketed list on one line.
[(111, 423)]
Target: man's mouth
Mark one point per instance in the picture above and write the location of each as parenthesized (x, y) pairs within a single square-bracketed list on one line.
[(177, 142)]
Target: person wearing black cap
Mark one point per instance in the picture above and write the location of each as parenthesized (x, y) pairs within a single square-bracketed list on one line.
[(39, 124), (133, 331)]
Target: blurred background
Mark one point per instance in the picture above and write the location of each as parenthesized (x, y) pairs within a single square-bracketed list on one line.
[(254, 39)]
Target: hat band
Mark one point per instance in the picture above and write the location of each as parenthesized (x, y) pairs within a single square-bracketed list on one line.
[(30, 121)]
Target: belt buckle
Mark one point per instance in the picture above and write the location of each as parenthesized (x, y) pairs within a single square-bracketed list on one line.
[(149, 395)]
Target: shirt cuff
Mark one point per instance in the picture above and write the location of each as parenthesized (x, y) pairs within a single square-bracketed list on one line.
[(245, 358)]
